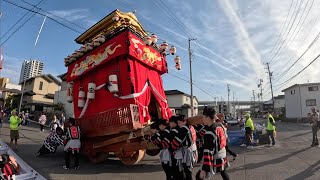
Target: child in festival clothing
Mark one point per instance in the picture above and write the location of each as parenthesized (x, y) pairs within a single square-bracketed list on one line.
[(9, 166), (185, 148), (214, 152), (73, 144), (52, 142)]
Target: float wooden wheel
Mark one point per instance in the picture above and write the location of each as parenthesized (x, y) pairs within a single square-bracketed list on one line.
[(153, 152), (132, 159)]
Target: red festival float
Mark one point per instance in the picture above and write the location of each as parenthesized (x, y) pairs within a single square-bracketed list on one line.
[(114, 82)]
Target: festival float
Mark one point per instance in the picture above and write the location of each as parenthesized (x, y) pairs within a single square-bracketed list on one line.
[(114, 82)]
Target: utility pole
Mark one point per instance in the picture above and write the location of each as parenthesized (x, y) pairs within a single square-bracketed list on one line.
[(233, 106), (254, 101), (260, 86), (228, 108), (191, 82), (21, 98), (270, 79)]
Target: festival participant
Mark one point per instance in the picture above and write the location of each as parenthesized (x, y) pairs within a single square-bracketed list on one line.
[(185, 149), (9, 166), (174, 130), (73, 144), (42, 121), (200, 133), (214, 152), (224, 126), (160, 138), (52, 142)]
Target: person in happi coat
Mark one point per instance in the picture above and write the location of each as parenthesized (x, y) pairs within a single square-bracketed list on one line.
[(160, 138), (185, 150), (215, 156), (51, 143), (73, 144)]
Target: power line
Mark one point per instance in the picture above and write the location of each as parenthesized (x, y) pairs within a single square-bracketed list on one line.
[(279, 36), (311, 44), (291, 39), (47, 12), (284, 83), (27, 20), (35, 12), (295, 17)]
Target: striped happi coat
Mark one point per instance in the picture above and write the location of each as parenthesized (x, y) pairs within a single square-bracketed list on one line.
[(161, 139), (214, 158), (53, 141)]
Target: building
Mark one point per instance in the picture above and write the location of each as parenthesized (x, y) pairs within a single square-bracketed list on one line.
[(43, 88), (180, 102), (61, 97), (279, 105), (299, 99), (7, 89), (30, 69)]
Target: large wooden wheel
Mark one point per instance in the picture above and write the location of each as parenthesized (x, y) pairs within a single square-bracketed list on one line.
[(153, 152), (132, 159)]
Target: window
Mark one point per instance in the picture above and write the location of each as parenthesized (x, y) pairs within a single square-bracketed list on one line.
[(40, 85), (293, 92), (313, 88), (311, 102)]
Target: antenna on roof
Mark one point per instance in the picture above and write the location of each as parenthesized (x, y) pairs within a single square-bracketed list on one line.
[(134, 11)]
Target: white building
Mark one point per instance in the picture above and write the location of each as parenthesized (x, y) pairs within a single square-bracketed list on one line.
[(299, 99), (279, 104), (181, 102), (30, 69), (61, 97)]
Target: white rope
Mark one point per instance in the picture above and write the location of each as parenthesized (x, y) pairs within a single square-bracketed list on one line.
[(87, 101), (157, 92), (135, 95)]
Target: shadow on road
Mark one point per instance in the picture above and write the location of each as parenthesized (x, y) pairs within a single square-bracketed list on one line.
[(52, 163), (297, 135), (269, 162), (306, 173)]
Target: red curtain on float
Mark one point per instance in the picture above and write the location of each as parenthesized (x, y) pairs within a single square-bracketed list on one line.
[(140, 74)]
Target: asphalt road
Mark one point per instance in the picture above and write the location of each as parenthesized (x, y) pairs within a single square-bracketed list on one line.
[(291, 159)]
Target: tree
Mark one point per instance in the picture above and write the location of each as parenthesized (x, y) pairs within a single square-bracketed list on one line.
[(12, 101)]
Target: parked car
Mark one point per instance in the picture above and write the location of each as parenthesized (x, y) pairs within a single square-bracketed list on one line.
[(232, 121)]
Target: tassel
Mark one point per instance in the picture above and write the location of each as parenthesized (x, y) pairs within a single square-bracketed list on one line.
[(144, 113)]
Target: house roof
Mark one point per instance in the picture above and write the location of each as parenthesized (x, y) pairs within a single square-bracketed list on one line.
[(63, 77), (279, 97), (177, 92), (47, 77), (297, 85)]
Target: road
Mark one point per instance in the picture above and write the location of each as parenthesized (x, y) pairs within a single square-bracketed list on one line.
[(291, 159)]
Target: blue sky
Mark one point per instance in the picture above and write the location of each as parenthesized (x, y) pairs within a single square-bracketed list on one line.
[(234, 39)]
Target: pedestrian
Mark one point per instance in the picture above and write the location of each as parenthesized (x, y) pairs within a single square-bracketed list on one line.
[(21, 115), (249, 129), (2, 115), (62, 120), (54, 123), (185, 149), (73, 144), (314, 119), (27, 118), (174, 131), (214, 152), (14, 129), (271, 128), (224, 126), (42, 121), (52, 142)]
